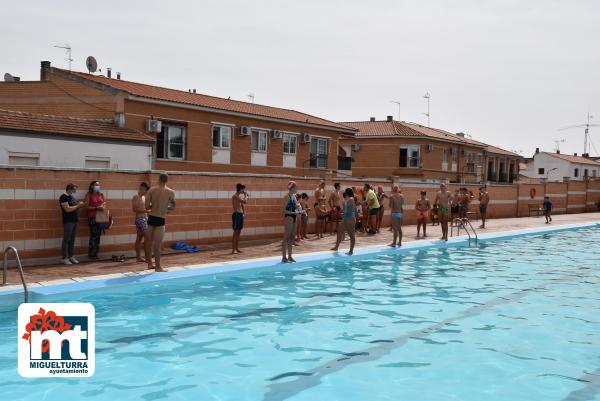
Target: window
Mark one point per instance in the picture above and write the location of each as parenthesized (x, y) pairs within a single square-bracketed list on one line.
[(594, 173), (409, 156), (221, 137), (470, 167), (259, 141), (585, 173), (541, 171), (319, 149), (290, 144), (23, 159), (170, 142), (576, 173), (445, 153), (97, 162)]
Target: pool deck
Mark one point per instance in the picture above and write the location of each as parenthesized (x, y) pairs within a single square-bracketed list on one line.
[(221, 253)]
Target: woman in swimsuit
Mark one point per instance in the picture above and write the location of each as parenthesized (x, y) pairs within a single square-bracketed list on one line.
[(380, 197), (290, 212), (348, 221), (422, 207)]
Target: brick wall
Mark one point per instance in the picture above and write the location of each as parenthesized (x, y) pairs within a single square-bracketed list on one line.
[(30, 214)]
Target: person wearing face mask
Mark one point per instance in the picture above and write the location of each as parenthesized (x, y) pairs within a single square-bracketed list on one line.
[(69, 207), (94, 201)]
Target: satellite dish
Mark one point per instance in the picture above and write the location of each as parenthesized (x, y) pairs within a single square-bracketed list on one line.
[(92, 64), (8, 78)]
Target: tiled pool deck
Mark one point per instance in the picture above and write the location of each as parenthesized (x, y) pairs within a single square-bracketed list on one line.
[(219, 256)]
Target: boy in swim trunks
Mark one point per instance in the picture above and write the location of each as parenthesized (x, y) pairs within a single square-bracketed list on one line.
[(444, 199), (335, 207), (547, 208), (422, 207), (484, 200), (322, 214), (397, 210), (238, 201), (160, 200), (138, 205)]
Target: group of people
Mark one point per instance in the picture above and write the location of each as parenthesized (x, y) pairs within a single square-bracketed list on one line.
[(150, 206), (343, 212)]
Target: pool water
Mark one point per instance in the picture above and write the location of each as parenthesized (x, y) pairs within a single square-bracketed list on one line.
[(514, 319)]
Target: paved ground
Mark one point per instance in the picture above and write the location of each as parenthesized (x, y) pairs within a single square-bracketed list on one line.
[(256, 249)]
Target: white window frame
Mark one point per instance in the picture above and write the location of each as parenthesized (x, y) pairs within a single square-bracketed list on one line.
[(24, 155), (221, 136), (260, 133), (286, 138), (167, 143), (409, 158), (320, 139), (445, 157)]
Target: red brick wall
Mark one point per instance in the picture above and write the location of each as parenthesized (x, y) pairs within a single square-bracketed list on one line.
[(30, 214)]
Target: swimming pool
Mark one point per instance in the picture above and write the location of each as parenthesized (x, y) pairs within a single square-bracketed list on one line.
[(514, 319)]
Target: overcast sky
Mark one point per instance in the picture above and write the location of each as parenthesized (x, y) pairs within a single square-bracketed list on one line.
[(507, 72)]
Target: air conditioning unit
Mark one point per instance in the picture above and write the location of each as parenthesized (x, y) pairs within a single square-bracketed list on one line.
[(153, 125), (355, 147), (244, 131), (305, 138), (276, 134), (429, 148)]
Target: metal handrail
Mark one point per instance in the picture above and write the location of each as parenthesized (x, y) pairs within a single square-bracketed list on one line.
[(19, 267), (462, 222)]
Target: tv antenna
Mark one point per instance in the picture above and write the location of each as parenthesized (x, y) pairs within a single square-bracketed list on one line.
[(398, 103), (557, 143), (91, 64), (67, 48), (586, 132), (251, 97), (428, 114)]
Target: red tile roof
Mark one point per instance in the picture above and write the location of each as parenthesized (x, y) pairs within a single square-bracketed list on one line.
[(574, 159), (400, 128), (212, 102), (58, 125)]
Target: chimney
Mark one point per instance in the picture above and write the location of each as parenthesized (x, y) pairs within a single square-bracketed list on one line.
[(558, 151), (44, 70), (390, 118), (193, 90), (575, 154), (108, 72), (537, 150), (586, 155), (372, 119), (118, 75), (461, 134)]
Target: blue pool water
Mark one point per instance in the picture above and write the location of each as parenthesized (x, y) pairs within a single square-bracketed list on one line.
[(514, 319)]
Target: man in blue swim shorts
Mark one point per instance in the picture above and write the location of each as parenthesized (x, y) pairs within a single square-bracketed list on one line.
[(238, 201), (397, 207)]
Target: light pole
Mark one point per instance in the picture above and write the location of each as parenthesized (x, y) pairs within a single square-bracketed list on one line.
[(398, 103), (428, 114)]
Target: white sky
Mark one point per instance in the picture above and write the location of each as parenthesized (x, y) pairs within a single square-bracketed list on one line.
[(507, 72)]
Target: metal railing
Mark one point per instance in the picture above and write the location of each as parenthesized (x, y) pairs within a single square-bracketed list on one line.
[(465, 224), (19, 267)]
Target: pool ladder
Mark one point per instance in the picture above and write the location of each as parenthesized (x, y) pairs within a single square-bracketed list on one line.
[(465, 224), (19, 267)]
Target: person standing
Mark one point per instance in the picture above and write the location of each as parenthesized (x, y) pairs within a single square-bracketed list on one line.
[(484, 200), (373, 206), (381, 195), (138, 205), (335, 207), (94, 201), (160, 200), (547, 208), (69, 207), (444, 200), (422, 207), (348, 221), (397, 210), (238, 201), (290, 214)]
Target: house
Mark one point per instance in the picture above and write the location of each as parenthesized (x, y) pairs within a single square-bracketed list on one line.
[(384, 148), (57, 141), (561, 167), (192, 131)]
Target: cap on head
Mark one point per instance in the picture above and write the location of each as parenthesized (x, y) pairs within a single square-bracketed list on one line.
[(291, 184)]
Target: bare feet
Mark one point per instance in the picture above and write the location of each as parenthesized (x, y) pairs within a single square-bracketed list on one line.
[(140, 259), (392, 245), (291, 260), (284, 260), (150, 267), (159, 269), (349, 253), (334, 249), (238, 251)]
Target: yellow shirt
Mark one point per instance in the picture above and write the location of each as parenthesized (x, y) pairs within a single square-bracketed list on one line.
[(372, 201)]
